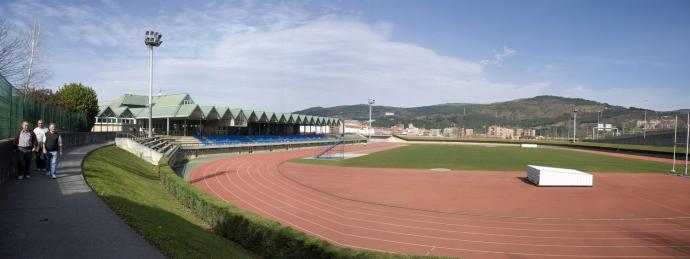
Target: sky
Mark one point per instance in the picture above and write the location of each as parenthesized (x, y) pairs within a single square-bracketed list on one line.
[(285, 56)]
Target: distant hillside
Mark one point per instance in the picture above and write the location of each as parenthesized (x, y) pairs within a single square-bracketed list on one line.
[(539, 112)]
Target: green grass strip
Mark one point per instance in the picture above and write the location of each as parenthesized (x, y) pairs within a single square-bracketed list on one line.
[(132, 189), (591, 145), (497, 158)]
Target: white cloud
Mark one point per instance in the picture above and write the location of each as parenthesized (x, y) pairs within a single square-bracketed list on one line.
[(263, 56), (499, 57)]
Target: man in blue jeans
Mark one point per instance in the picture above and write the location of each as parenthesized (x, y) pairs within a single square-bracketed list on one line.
[(52, 147)]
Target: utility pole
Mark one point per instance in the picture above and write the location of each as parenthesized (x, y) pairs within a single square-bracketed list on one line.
[(574, 124), (687, 142), (644, 129), (371, 102), (675, 143)]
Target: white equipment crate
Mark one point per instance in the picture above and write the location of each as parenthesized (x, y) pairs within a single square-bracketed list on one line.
[(553, 176), (529, 145)]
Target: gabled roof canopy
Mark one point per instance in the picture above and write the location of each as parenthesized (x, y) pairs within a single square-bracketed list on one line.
[(182, 106)]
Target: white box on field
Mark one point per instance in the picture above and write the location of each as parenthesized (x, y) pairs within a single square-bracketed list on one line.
[(529, 145), (553, 176)]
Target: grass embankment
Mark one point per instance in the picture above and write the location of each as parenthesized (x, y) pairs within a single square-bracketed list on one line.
[(131, 187), (498, 158), (590, 145)]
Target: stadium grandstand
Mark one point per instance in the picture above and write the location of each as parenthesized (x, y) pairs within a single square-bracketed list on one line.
[(179, 115)]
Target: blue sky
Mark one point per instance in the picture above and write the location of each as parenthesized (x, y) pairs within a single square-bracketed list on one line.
[(289, 55)]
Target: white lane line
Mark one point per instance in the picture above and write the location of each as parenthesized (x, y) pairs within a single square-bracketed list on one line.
[(470, 250), (280, 198), (259, 209), (430, 250)]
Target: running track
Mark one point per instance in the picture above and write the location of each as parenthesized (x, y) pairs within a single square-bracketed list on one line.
[(456, 214)]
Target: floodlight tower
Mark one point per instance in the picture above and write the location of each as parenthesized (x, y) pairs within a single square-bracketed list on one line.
[(152, 39), (687, 142), (371, 102), (644, 129), (574, 124), (675, 143), (599, 113)]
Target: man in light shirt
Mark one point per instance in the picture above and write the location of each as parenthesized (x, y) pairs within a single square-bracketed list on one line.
[(40, 133)]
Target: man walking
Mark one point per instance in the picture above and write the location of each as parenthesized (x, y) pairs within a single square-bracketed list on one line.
[(40, 133), (52, 148), (26, 143)]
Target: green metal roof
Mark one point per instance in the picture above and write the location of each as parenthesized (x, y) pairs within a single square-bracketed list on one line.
[(223, 112), (210, 112), (174, 106), (261, 116), (270, 117), (250, 114), (236, 113), (132, 100), (122, 112), (189, 110), (137, 111), (171, 99), (280, 118)]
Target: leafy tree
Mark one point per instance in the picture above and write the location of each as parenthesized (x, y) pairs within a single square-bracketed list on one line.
[(80, 98)]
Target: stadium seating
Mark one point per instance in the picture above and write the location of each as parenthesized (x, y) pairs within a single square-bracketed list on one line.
[(213, 139)]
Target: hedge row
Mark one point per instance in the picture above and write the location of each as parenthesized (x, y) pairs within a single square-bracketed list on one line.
[(642, 149), (263, 236)]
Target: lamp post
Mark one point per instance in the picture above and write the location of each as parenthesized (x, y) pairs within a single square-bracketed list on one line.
[(371, 102), (675, 143), (599, 114), (687, 142), (644, 129), (152, 39), (574, 124)]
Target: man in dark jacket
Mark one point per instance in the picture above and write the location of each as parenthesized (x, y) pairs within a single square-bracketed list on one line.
[(26, 142), (52, 148)]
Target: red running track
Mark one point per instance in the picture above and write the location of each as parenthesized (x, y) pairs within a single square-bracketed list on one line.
[(467, 214)]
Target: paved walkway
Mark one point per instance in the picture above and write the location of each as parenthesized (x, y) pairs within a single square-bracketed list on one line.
[(63, 218)]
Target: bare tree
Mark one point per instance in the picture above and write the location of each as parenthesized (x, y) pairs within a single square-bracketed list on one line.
[(33, 53), (12, 54), (20, 62), (36, 74)]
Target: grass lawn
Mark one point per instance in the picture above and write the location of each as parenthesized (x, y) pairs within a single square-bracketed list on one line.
[(468, 157), (132, 189), (582, 144)]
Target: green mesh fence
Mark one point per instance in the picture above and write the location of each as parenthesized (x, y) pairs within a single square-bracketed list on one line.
[(15, 108)]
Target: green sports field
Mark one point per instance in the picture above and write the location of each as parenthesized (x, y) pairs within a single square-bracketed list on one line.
[(499, 158)]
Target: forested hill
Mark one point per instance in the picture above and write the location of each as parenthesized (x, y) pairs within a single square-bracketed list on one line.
[(539, 111)]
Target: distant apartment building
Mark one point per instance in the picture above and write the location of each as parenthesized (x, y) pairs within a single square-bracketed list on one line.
[(469, 133), (452, 132), (435, 133), (525, 133), (356, 127), (495, 131), (398, 129), (657, 124), (389, 114)]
